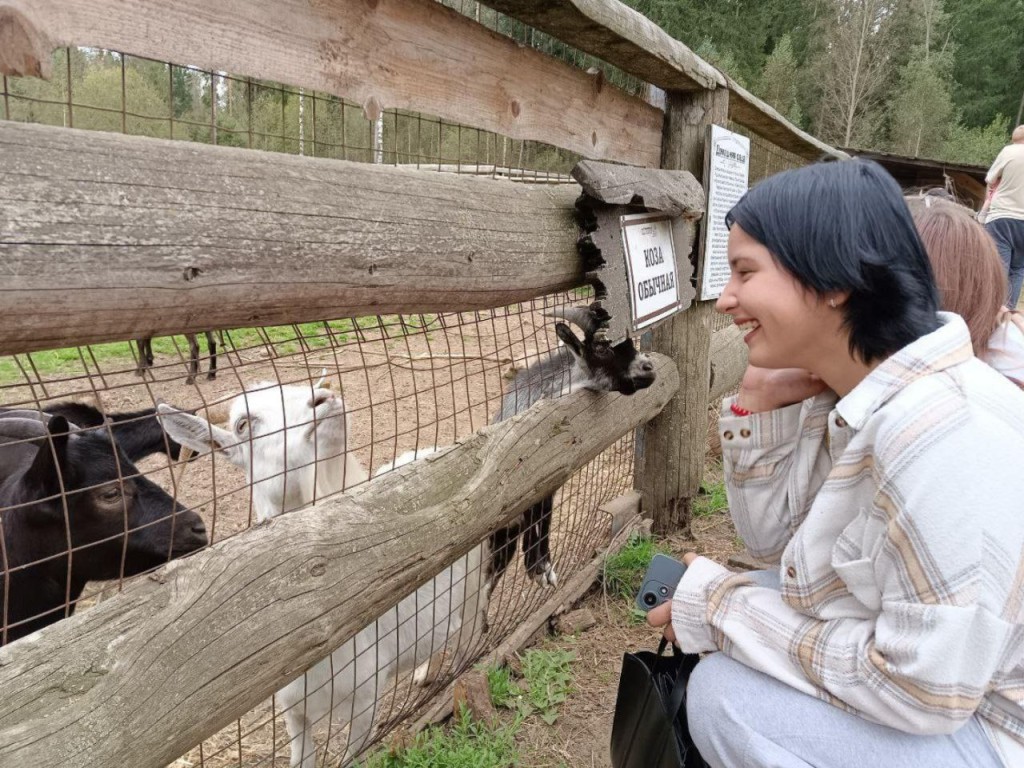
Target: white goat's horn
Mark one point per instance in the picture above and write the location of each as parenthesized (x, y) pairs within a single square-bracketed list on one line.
[(582, 317), (322, 383)]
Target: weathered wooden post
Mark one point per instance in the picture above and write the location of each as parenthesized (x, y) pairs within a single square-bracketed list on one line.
[(671, 447)]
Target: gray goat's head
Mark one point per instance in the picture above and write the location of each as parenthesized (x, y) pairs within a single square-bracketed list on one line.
[(608, 367)]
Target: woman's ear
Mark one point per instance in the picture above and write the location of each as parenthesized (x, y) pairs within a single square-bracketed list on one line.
[(836, 299)]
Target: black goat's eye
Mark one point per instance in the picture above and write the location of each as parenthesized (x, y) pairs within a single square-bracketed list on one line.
[(241, 426), (110, 494)]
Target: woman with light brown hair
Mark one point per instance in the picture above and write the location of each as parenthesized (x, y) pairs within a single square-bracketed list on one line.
[(971, 281)]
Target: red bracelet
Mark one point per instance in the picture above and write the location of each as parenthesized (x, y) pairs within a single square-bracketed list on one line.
[(739, 410)]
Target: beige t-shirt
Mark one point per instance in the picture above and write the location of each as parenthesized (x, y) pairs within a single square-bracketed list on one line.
[(1008, 201)]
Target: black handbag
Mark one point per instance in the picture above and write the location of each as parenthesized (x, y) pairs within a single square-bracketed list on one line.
[(649, 726)]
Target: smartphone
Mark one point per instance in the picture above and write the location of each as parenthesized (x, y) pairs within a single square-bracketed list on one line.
[(659, 582)]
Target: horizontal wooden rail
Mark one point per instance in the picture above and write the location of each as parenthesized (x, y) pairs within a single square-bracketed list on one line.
[(619, 35), (763, 119), (104, 237), (141, 678), (635, 44), (409, 54)]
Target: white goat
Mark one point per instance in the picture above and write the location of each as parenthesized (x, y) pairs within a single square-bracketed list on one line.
[(291, 442)]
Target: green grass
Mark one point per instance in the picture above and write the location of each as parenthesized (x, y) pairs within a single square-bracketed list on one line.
[(286, 339), (710, 500), (465, 744), (624, 570), (545, 686)]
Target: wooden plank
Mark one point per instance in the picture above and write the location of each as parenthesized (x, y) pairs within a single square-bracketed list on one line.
[(764, 120), (619, 35), (141, 678), (409, 54), (107, 237), (670, 466)]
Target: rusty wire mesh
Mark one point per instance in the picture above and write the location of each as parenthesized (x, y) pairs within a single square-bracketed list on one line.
[(407, 382)]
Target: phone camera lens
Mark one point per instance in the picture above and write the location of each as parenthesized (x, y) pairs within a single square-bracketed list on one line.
[(650, 598), (663, 590)]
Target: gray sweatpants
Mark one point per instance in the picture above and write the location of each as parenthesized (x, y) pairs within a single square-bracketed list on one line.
[(742, 718)]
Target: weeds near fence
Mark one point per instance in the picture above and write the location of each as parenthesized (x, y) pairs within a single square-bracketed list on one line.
[(465, 744)]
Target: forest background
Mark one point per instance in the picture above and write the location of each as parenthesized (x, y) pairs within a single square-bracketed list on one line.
[(940, 79)]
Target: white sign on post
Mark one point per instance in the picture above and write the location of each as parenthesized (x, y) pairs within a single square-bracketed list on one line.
[(651, 266), (728, 171)]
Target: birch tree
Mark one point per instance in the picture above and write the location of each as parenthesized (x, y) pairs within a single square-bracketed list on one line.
[(854, 68)]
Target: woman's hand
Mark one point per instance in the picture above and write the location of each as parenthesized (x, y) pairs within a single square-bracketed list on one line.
[(662, 615), (765, 389)]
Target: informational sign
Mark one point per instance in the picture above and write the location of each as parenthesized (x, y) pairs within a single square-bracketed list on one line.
[(651, 267), (728, 170)]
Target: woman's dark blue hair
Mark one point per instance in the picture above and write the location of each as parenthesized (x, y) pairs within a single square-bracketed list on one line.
[(844, 226)]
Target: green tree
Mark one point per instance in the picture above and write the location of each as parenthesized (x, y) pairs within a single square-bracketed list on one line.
[(921, 110), (977, 146), (778, 83), (988, 66)]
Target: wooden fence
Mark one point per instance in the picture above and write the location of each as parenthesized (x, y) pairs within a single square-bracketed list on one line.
[(108, 237)]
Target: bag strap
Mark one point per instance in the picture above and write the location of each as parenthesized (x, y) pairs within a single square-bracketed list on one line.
[(675, 702)]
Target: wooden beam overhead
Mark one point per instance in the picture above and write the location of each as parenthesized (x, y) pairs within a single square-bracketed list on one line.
[(409, 54), (621, 36)]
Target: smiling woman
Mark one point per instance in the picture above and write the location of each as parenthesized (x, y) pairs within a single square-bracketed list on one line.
[(864, 455)]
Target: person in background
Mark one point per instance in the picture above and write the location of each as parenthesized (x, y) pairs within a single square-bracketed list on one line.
[(866, 455), (1003, 212), (971, 281)]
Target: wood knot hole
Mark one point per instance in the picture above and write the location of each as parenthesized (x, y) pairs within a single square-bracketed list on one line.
[(515, 108), (318, 568), (191, 273)]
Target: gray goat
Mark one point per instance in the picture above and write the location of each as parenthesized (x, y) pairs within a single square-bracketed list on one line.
[(593, 363)]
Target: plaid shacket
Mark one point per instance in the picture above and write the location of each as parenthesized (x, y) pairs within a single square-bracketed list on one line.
[(897, 518)]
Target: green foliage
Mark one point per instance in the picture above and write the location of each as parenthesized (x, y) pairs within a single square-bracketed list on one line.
[(624, 570), (778, 84), (548, 678), (711, 500), (466, 744), (977, 146), (922, 107), (503, 689), (547, 683), (988, 70)]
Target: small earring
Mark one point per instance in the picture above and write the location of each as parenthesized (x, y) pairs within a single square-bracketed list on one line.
[(832, 303)]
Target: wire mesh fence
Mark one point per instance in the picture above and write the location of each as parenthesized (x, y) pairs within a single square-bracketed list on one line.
[(367, 390), (362, 392)]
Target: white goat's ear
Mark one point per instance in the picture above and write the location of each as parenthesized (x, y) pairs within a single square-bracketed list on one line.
[(197, 433)]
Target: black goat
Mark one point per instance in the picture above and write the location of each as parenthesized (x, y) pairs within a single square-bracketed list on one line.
[(592, 363), (145, 347), (138, 433), (75, 510)]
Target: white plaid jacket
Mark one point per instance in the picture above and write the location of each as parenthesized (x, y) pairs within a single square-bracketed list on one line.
[(897, 517)]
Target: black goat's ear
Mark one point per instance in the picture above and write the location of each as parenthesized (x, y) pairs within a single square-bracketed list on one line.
[(564, 332), (49, 472)]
